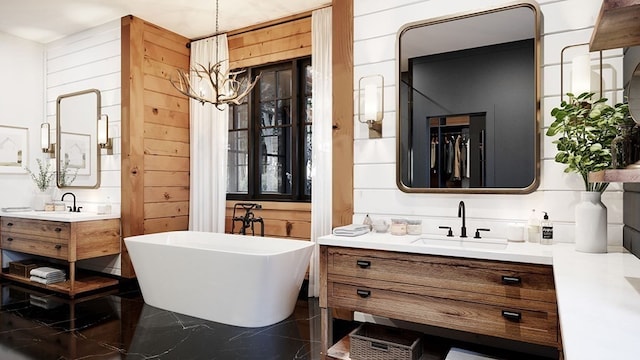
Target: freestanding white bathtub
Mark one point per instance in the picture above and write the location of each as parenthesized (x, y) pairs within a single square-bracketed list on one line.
[(232, 279)]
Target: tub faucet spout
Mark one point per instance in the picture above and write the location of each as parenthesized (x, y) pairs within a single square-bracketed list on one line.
[(461, 213)]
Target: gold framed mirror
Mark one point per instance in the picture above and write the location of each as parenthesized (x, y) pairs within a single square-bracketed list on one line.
[(77, 151), (468, 102)]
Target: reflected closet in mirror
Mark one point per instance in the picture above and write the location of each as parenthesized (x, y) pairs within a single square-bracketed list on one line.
[(469, 101)]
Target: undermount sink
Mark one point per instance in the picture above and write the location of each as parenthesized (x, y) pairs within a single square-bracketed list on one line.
[(457, 242)]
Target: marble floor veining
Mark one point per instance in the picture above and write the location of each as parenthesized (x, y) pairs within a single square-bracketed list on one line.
[(119, 325)]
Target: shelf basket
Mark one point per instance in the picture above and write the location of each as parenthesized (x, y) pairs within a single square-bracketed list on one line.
[(377, 342)]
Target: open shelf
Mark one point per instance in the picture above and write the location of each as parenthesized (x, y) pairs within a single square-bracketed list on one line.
[(617, 25), (83, 283), (616, 175)]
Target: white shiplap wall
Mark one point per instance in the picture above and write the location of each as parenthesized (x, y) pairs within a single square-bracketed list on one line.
[(91, 60), (564, 22)]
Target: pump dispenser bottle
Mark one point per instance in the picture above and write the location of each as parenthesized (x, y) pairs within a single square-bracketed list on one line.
[(547, 230)]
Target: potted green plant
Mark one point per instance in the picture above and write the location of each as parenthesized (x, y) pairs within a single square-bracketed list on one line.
[(585, 130), (42, 179)]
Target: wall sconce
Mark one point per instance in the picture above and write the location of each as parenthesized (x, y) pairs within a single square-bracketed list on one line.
[(104, 141), (45, 140), (371, 103), (580, 72)]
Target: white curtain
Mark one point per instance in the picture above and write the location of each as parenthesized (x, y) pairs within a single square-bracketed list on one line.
[(320, 138), (209, 131)]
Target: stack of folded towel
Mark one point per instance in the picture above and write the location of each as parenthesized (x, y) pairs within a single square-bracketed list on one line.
[(47, 275), (351, 230)]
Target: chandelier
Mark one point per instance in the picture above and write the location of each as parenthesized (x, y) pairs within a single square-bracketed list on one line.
[(227, 87)]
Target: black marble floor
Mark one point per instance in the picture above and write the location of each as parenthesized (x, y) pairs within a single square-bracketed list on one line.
[(119, 325)]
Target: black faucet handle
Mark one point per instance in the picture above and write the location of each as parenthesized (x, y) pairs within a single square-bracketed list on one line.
[(450, 232), (78, 208), (477, 236)]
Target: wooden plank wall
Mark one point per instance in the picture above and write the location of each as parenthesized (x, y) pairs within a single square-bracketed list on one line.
[(155, 133), (276, 41)]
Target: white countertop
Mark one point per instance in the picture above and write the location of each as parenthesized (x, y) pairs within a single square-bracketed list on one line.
[(598, 294), (64, 216)]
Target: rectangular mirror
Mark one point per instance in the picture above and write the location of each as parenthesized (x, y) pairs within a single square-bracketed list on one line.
[(469, 102), (77, 151)]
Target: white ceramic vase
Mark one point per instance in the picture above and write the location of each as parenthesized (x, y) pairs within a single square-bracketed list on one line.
[(591, 223), (40, 198)]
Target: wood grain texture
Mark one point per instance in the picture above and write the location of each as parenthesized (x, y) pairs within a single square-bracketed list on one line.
[(281, 219), (282, 41), (617, 26), (63, 241), (342, 52), (155, 138), (174, 223), (455, 293)]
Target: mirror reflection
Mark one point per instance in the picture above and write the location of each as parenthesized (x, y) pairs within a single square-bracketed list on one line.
[(468, 102), (77, 152)]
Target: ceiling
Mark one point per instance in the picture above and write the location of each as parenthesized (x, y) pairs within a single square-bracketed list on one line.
[(44, 21)]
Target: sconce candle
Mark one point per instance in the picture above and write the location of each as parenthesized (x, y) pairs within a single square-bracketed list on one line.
[(103, 130), (45, 139), (581, 74)]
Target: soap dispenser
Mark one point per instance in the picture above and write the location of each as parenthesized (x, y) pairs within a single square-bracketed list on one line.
[(547, 230)]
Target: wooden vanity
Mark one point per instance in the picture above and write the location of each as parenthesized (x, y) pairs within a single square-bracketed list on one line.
[(67, 241), (503, 299)]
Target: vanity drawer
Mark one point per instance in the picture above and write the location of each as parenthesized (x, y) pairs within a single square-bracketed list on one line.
[(533, 326), (40, 228), (513, 280), (54, 248)]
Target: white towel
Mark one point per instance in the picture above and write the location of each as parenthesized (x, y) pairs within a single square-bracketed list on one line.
[(351, 230), (46, 272), (46, 281)]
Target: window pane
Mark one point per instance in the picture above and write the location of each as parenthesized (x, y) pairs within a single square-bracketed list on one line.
[(268, 86), (284, 112), (237, 163), (307, 114), (306, 170), (267, 113), (284, 84), (238, 116), (275, 161), (308, 79)]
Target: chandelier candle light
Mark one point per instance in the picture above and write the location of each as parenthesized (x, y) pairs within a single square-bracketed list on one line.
[(225, 87)]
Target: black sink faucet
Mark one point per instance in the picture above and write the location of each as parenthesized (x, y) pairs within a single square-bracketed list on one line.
[(461, 213), (74, 208)]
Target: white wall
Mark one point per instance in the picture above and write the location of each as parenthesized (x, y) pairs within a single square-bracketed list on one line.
[(21, 105), (564, 22), (91, 60)]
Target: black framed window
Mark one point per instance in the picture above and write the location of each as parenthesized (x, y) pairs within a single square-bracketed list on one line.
[(270, 135)]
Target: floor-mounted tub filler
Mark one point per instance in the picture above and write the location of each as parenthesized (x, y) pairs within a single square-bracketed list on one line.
[(237, 280)]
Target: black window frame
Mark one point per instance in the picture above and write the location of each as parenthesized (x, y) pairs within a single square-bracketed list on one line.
[(299, 123)]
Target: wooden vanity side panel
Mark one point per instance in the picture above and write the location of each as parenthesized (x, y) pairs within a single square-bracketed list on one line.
[(481, 276), (97, 238)]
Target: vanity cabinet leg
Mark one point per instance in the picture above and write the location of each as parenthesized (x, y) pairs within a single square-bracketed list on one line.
[(326, 331), (72, 278)]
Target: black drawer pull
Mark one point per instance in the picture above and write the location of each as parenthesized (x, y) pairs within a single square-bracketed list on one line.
[(511, 315), (58, 229), (363, 293), (9, 224), (9, 239), (58, 246), (379, 346), (511, 280), (364, 264)]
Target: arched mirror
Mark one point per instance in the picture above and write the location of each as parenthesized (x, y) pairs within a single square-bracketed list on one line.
[(77, 151), (469, 102)]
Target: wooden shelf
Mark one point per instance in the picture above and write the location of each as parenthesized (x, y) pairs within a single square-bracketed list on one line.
[(617, 26), (83, 283), (616, 175)]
